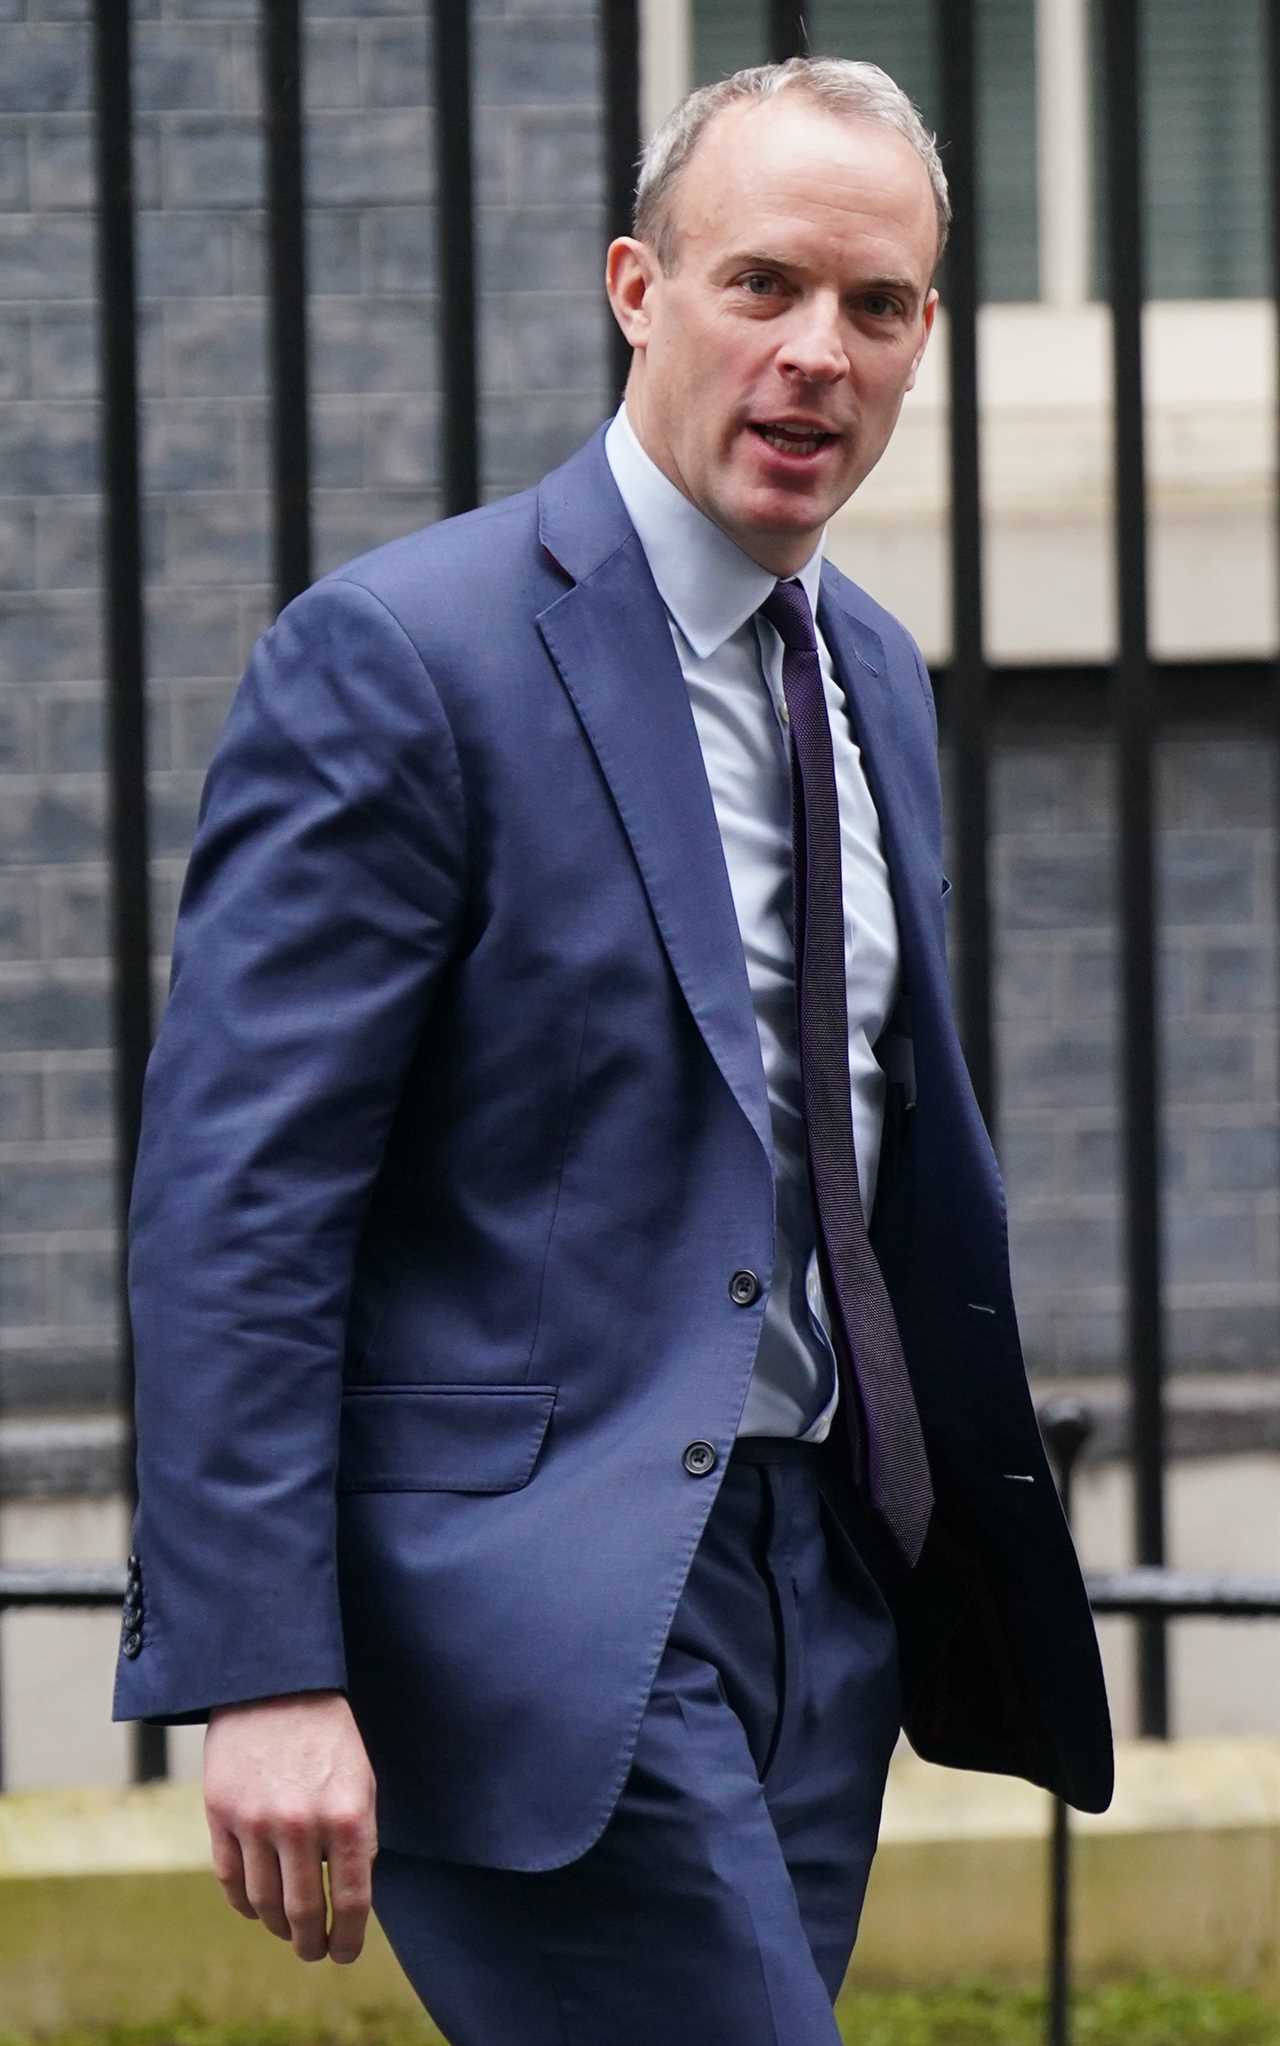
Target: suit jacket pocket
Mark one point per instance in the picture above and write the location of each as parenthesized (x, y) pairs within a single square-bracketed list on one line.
[(442, 1438)]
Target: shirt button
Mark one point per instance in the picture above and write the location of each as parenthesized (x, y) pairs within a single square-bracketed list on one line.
[(699, 1459), (744, 1288)]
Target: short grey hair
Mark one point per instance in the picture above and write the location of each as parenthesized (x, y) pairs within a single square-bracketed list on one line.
[(856, 90)]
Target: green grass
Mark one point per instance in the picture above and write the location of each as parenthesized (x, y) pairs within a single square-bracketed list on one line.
[(972, 2014)]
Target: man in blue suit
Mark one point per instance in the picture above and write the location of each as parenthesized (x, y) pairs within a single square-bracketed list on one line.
[(579, 1387)]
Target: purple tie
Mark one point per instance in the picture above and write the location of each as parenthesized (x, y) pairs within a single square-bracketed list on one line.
[(867, 1339)]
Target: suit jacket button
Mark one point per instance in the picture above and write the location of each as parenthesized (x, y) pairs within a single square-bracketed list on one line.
[(699, 1459), (744, 1288), (132, 1645)]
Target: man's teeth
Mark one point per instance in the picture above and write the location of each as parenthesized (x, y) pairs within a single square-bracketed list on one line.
[(792, 440)]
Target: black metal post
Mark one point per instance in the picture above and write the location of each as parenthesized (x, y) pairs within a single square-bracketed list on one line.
[(455, 224), (1135, 711), (620, 32), (125, 644), (1067, 1427), (286, 224), (955, 28), (788, 30), (1272, 89)]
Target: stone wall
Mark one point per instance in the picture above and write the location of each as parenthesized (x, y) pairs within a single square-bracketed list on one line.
[(371, 251)]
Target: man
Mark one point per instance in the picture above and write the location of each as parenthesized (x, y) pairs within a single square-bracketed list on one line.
[(526, 1416)]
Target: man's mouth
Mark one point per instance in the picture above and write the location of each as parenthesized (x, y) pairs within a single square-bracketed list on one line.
[(793, 440)]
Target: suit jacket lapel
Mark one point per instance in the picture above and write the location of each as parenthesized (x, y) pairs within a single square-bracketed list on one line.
[(610, 640), (872, 696)]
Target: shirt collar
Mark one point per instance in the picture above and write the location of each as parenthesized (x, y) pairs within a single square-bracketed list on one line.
[(709, 586)]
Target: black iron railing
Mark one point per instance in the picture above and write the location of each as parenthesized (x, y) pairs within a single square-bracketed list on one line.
[(977, 698)]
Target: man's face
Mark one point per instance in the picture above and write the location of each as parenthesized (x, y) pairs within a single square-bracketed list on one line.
[(772, 360)]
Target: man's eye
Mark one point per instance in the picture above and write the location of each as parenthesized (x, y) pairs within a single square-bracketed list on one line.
[(758, 284), (880, 305)]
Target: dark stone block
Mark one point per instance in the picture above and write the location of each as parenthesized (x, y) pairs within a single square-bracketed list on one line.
[(213, 160), (215, 348), (544, 250), (14, 193), (64, 352), (183, 255), (1058, 1068), (19, 917), (174, 801), (180, 70), (378, 158), (217, 539), (1205, 1065), (49, 448), (199, 716), (191, 632), (558, 343), (395, 64), (1025, 981), (1208, 1245), (1054, 1252), (1029, 1160), (77, 916), (1232, 1336), (21, 1106), (1068, 887), (17, 546), (19, 732), (84, 1288), (402, 443), (43, 825), (48, 638), (1208, 783), (1238, 979), (521, 441), (15, 356), (529, 63), (557, 157), (81, 1100), (1240, 1160), (74, 732), (377, 345), (399, 250), (22, 1288), (1209, 879), (68, 543), (50, 1009), (44, 70), (46, 258), (81, 1377), (189, 445)]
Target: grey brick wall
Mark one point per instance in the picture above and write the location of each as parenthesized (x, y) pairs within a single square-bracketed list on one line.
[(372, 258), (376, 408), (1058, 995)]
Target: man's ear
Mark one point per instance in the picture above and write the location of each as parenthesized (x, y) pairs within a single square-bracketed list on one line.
[(630, 271), (926, 328)]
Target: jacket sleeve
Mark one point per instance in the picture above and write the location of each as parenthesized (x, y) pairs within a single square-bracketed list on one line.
[(324, 893)]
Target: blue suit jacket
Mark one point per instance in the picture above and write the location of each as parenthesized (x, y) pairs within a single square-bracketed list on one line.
[(455, 1133)]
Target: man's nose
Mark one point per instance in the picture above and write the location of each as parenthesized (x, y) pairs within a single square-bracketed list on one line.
[(813, 345)]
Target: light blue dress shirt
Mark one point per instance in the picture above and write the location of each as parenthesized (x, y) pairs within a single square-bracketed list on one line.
[(732, 663)]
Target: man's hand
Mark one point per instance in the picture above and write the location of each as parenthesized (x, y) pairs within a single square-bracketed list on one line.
[(287, 1786)]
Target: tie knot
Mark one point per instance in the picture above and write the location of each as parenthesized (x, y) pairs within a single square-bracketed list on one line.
[(787, 610)]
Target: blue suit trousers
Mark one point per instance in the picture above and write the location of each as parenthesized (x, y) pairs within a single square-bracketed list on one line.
[(722, 1900)]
